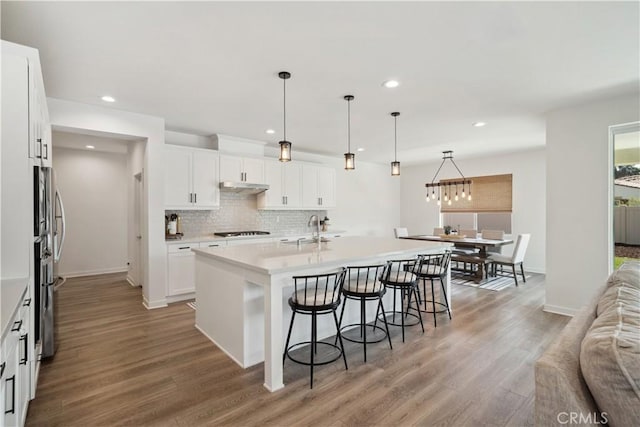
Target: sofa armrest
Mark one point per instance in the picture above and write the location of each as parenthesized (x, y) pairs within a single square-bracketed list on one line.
[(560, 387)]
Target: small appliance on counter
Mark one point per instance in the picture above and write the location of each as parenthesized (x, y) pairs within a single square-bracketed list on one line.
[(173, 227)]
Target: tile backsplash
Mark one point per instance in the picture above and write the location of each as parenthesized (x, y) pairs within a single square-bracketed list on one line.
[(240, 212)]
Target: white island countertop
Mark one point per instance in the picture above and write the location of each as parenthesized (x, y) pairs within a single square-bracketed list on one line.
[(278, 257)]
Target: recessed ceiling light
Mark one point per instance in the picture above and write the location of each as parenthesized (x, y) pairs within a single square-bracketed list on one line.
[(391, 83), (108, 98), (90, 147), (361, 149), (270, 131), (479, 124)]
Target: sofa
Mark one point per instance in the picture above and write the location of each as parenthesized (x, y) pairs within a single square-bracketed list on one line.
[(590, 374)]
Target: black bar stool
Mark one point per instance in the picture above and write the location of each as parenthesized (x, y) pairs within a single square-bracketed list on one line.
[(363, 284), (314, 295), (398, 276), (434, 267)]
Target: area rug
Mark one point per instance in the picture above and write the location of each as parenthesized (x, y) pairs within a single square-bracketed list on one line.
[(494, 284), (192, 304)]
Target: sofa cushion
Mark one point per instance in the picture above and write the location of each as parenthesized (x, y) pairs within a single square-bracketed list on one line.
[(610, 351)]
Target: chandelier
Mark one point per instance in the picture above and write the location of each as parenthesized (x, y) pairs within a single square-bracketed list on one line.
[(450, 185)]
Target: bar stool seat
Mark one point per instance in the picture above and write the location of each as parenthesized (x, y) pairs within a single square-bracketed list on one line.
[(363, 284), (316, 295), (399, 276)]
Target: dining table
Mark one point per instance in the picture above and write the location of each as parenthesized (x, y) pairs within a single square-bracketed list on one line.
[(480, 259)]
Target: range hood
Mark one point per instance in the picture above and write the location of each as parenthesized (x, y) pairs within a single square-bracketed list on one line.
[(243, 187)]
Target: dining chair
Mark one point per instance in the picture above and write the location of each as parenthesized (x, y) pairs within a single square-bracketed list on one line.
[(459, 249), (401, 232), (493, 235), (517, 258)]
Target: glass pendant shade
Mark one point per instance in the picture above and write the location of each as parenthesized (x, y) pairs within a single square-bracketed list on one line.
[(395, 170), (349, 161), (285, 151)]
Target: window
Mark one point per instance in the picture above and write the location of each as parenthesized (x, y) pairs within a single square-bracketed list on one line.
[(489, 209)]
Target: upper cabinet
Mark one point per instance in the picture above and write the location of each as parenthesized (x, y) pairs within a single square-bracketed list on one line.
[(242, 169), (191, 178), (318, 187), (39, 126), (285, 185)]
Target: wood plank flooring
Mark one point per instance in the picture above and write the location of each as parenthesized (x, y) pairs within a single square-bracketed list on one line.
[(120, 364)]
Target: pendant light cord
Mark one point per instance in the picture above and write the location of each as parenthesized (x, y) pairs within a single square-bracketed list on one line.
[(348, 126), (284, 103), (395, 138)]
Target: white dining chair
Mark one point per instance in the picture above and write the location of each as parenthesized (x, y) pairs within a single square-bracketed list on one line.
[(401, 232), (517, 258)]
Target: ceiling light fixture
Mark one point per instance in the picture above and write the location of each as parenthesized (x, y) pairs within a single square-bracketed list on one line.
[(349, 157), (270, 131), (391, 84), (285, 146), (90, 147), (479, 124), (395, 165), (108, 98), (448, 184), (361, 149)]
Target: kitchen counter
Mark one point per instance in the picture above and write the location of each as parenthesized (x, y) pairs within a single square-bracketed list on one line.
[(242, 292), (212, 238)]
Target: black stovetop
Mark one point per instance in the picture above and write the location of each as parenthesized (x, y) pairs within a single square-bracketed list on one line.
[(240, 233)]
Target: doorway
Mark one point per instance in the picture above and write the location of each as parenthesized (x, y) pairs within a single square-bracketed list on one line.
[(625, 193), (136, 261)]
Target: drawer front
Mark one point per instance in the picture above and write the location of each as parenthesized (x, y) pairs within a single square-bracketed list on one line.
[(217, 244), (184, 247)]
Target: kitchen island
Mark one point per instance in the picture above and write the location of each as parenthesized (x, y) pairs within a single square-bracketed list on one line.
[(242, 292)]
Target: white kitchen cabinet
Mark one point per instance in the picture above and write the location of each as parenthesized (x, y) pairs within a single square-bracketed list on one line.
[(241, 169), (181, 268), (285, 186), (15, 364), (191, 178), (318, 187)]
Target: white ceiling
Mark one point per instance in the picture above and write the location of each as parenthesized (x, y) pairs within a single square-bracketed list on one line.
[(210, 67)]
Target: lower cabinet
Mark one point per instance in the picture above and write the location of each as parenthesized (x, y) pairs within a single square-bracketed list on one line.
[(15, 365), (181, 265)]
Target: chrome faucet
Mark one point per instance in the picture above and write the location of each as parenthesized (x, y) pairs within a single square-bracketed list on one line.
[(317, 224)]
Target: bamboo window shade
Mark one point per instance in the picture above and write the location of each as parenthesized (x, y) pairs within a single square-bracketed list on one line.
[(488, 194)]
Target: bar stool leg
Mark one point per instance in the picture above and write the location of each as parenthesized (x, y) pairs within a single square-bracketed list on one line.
[(386, 326), (446, 300), (418, 310), (402, 313), (344, 355), (363, 326), (433, 304), (313, 343), (286, 346)]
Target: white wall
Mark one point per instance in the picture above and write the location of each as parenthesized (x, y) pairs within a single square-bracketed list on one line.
[(94, 189), (68, 115), (578, 199), (528, 170)]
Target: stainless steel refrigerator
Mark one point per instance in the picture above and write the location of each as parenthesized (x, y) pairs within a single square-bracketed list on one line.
[(49, 231)]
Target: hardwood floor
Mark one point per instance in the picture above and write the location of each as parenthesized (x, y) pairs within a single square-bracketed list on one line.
[(120, 364)]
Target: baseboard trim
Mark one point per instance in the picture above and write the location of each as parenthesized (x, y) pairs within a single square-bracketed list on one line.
[(559, 310), (151, 305), (132, 282), (181, 297), (93, 272)]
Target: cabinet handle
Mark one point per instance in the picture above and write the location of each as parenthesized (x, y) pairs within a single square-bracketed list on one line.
[(39, 141), (195, 197), (320, 201), (46, 151), (13, 395), (25, 339), (286, 200), (283, 202), (4, 365), (184, 247), (213, 246), (15, 328), (26, 302)]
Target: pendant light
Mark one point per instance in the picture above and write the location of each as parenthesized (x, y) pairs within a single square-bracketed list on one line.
[(395, 165), (349, 157), (285, 146)]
